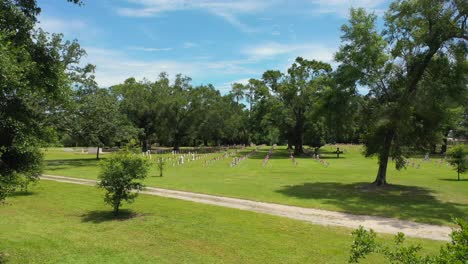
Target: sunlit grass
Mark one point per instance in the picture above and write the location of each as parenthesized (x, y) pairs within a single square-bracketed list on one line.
[(429, 193)]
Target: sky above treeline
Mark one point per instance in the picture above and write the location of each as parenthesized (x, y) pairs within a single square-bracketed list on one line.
[(218, 42)]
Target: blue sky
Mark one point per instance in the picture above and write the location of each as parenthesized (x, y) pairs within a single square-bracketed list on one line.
[(217, 42)]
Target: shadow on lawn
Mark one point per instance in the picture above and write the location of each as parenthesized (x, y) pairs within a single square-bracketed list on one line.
[(100, 216), (66, 163), (21, 193), (454, 179), (404, 202), (283, 154)]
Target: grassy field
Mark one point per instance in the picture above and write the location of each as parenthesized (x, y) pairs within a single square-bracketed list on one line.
[(66, 223), (426, 192)]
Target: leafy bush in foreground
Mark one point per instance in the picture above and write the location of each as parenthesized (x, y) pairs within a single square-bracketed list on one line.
[(454, 252)]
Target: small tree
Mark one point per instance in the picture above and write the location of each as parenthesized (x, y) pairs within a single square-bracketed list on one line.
[(365, 243), (458, 159), (119, 175), (161, 164)]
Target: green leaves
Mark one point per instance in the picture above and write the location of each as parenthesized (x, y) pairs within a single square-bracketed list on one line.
[(365, 243), (121, 176), (34, 81), (458, 158)]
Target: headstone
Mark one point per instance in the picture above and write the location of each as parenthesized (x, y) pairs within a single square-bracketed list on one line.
[(94, 150)]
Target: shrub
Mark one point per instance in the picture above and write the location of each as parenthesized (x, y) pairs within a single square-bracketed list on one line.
[(121, 176)]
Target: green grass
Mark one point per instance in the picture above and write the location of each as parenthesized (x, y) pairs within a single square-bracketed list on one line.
[(429, 194), (66, 223)]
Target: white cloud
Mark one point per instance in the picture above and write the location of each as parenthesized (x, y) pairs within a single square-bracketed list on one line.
[(341, 7), (150, 49), (242, 81), (188, 45), (229, 10), (273, 49), (113, 67), (56, 25), (70, 28)]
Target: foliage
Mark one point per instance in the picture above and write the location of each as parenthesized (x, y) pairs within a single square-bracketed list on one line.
[(178, 113), (365, 243), (98, 121), (458, 158), (121, 176), (293, 106), (34, 80), (415, 70), (161, 164)]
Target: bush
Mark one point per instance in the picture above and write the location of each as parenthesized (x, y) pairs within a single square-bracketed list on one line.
[(458, 159), (119, 177), (455, 252)]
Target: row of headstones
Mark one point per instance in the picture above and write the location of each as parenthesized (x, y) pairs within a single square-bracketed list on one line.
[(293, 159), (314, 155), (226, 155), (317, 158), (238, 160), (417, 163), (176, 160), (268, 155), (201, 150)]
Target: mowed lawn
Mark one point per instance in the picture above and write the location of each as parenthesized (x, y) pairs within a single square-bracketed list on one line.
[(67, 223), (425, 193)]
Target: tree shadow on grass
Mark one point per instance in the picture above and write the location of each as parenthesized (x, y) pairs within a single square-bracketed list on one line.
[(21, 193), (67, 163), (100, 216), (453, 180), (397, 201), (332, 157), (284, 154)]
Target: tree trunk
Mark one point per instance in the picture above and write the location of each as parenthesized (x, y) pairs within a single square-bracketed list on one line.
[(443, 149), (97, 153), (116, 210), (433, 148), (298, 131), (289, 143), (381, 178), (144, 145), (176, 146), (298, 146)]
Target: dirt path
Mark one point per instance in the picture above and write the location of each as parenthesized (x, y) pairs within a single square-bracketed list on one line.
[(315, 216)]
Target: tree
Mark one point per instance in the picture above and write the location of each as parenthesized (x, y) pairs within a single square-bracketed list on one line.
[(161, 164), (142, 103), (121, 176), (35, 78), (298, 92), (98, 120), (365, 243), (458, 158), (412, 68)]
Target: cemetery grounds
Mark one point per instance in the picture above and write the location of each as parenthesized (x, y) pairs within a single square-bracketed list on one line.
[(61, 223)]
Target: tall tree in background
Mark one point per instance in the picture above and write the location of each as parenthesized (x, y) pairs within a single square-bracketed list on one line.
[(98, 120), (298, 92), (422, 41), (35, 76), (141, 102)]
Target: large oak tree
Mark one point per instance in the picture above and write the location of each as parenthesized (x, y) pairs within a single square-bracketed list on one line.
[(413, 68)]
